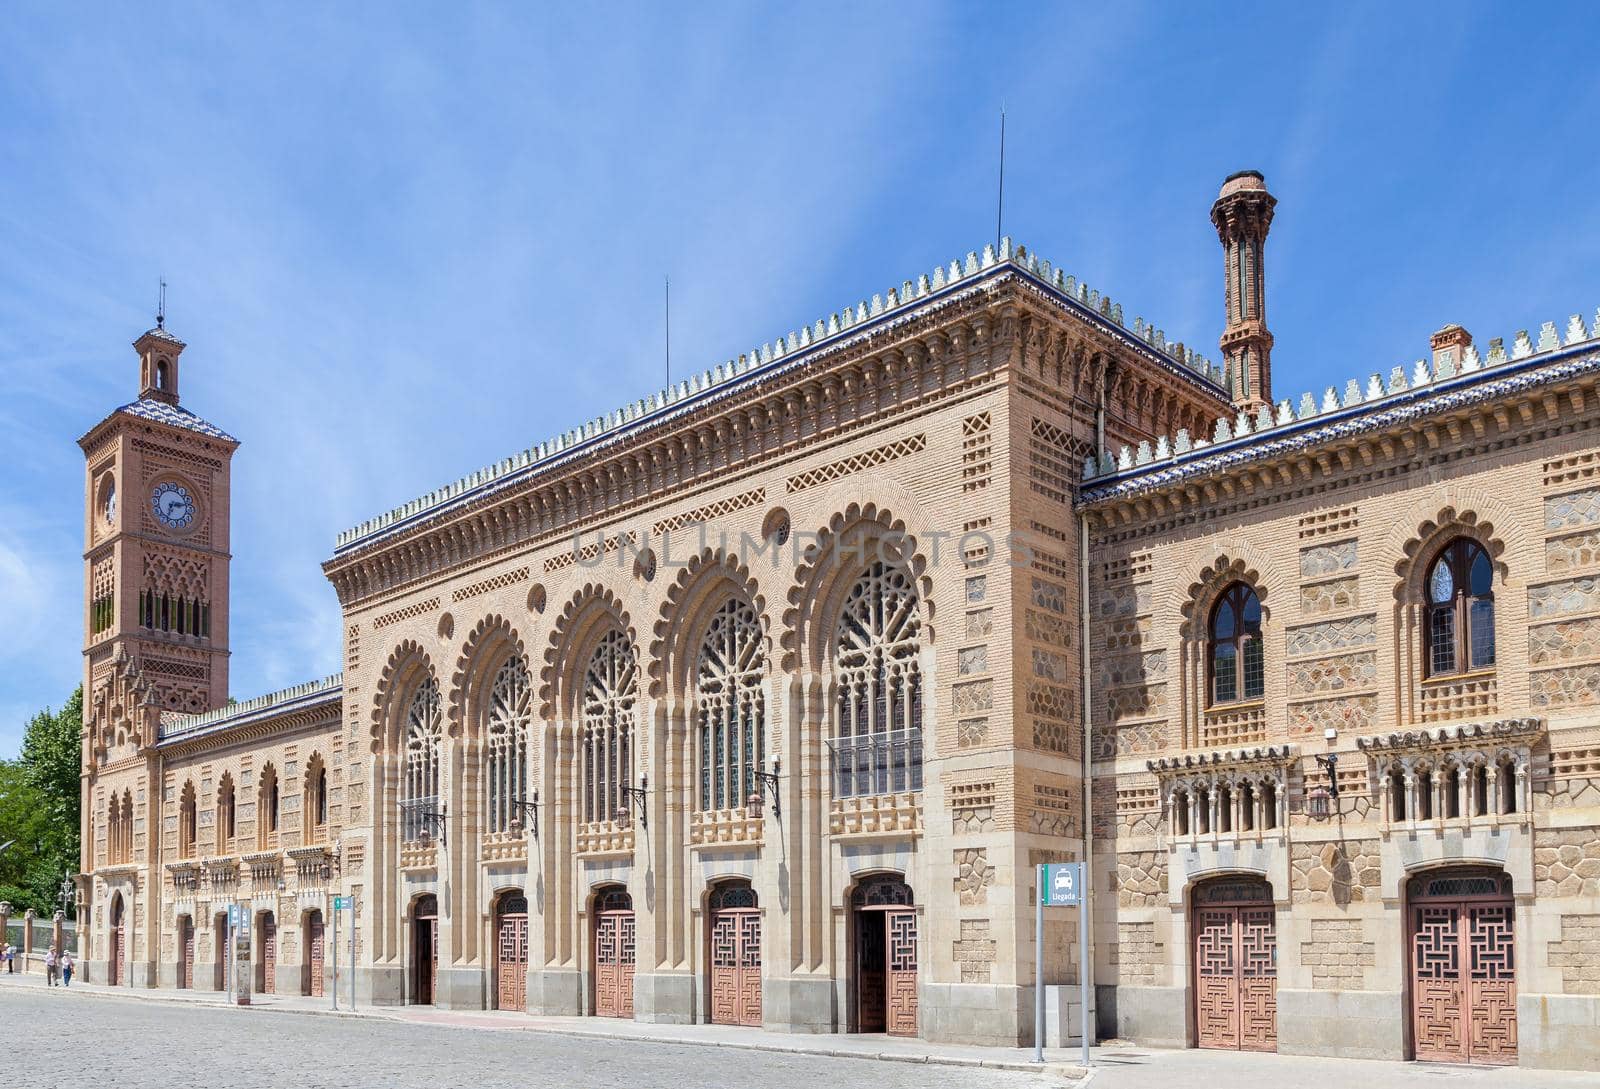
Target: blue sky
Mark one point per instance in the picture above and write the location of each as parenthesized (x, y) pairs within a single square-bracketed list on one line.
[(403, 242)]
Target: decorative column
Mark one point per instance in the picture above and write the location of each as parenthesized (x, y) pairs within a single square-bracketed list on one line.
[(27, 938), (55, 932), (1413, 803), (1492, 803), (1242, 215)]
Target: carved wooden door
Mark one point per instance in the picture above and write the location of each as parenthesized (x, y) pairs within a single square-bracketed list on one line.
[(511, 956), (426, 951), (1463, 970), (901, 983), (736, 967), (186, 953), (1236, 975), (871, 976), (316, 951), (614, 964), (269, 954)]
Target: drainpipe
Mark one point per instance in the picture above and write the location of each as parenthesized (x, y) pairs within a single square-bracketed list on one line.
[(1087, 967)]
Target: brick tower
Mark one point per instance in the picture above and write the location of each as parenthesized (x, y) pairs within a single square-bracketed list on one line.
[(156, 545), (1242, 215)]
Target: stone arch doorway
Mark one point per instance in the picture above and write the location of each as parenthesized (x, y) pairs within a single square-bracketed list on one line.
[(734, 954), (424, 950), (884, 956), (116, 970), (266, 953), (1234, 981), (614, 952), (316, 951), (1461, 954), (511, 951), (185, 952)]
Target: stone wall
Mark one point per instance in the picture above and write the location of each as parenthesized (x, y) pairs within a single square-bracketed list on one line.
[(1338, 954)]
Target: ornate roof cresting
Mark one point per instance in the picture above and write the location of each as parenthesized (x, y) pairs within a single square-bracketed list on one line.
[(777, 357), (301, 696), (1444, 383)]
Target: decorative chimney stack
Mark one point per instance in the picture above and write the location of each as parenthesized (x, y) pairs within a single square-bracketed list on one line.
[(1242, 215)]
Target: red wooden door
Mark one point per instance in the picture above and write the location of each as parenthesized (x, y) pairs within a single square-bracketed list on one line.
[(736, 967), (901, 985), (186, 953), (425, 951), (1463, 969), (315, 952), (1235, 971), (269, 954), (614, 964), (871, 973), (511, 955)]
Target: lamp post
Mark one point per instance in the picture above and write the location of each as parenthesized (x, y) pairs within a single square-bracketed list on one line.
[(767, 783), (527, 811), (635, 798)]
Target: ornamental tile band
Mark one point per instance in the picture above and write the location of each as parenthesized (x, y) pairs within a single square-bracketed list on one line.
[(777, 357)]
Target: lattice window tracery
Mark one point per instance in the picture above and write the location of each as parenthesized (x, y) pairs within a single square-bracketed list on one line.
[(729, 706), (424, 731), (508, 719), (877, 742), (610, 691)]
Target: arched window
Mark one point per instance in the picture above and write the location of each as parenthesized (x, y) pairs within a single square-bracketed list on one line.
[(316, 800), (610, 688), (729, 708), (1269, 805), (505, 762), (1238, 670), (188, 818), (1460, 622), (267, 807), (161, 374), (225, 815), (420, 795), (877, 742), (1180, 812)]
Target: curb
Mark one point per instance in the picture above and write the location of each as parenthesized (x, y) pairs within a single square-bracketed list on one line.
[(1059, 1070)]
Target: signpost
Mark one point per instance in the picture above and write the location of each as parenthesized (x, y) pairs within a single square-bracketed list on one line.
[(1061, 884)]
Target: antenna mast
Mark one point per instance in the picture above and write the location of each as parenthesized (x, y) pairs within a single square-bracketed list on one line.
[(161, 305), (1000, 207)]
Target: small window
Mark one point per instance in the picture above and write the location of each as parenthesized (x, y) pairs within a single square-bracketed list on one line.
[(1238, 669), (1460, 610), (1180, 813), (161, 374)]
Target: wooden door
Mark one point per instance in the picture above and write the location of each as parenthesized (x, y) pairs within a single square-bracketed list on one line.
[(736, 967), (315, 952), (871, 974), (186, 953), (901, 983), (1463, 969), (614, 951), (1235, 971), (269, 954), (425, 951), (114, 967), (221, 960), (511, 955)]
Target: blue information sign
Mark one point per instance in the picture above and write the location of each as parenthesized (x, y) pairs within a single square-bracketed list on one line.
[(1060, 884)]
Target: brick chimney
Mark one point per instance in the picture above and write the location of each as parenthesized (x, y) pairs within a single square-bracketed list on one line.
[(1242, 215), (1449, 345)]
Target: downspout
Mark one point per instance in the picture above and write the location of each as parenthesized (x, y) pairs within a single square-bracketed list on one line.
[(1087, 967)]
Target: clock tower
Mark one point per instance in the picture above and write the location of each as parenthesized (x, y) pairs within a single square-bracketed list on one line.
[(156, 553)]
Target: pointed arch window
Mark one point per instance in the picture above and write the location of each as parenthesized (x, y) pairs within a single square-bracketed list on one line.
[(1234, 656), (877, 744), (226, 811), (188, 819), (1460, 624), (424, 731), (610, 690), (267, 808), (315, 807), (730, 708), (505, 762)]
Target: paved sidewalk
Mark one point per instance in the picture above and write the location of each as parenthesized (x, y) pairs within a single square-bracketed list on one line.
[(1058, 1062)]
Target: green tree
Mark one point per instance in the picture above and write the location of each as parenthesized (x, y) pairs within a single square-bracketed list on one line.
[(39, 809)]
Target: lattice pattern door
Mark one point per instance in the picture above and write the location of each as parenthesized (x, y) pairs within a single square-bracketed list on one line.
[(1258, 979), (1463, 981), (1236, 978), (186, 955), (902, 974), (269, 955), (613, 964), (511, 962), (871, 977), (114, 976), (736, 968), (316, 951)]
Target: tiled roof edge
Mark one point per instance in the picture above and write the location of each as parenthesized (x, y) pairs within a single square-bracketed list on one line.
[(182, 727)]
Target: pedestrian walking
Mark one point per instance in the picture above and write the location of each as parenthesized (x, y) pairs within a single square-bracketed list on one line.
[(66, 969), (51, 967), (11, 958)]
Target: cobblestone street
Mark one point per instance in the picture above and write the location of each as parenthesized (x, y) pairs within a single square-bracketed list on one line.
[(60, 1038)]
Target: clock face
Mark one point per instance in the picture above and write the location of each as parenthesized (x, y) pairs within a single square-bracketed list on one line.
[(173, 505)]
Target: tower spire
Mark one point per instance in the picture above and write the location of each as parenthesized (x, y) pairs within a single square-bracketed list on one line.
[(161, 305), (1242, 215)]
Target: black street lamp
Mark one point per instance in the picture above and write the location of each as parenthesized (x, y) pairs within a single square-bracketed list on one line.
[(634, 798), (528, 808)]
